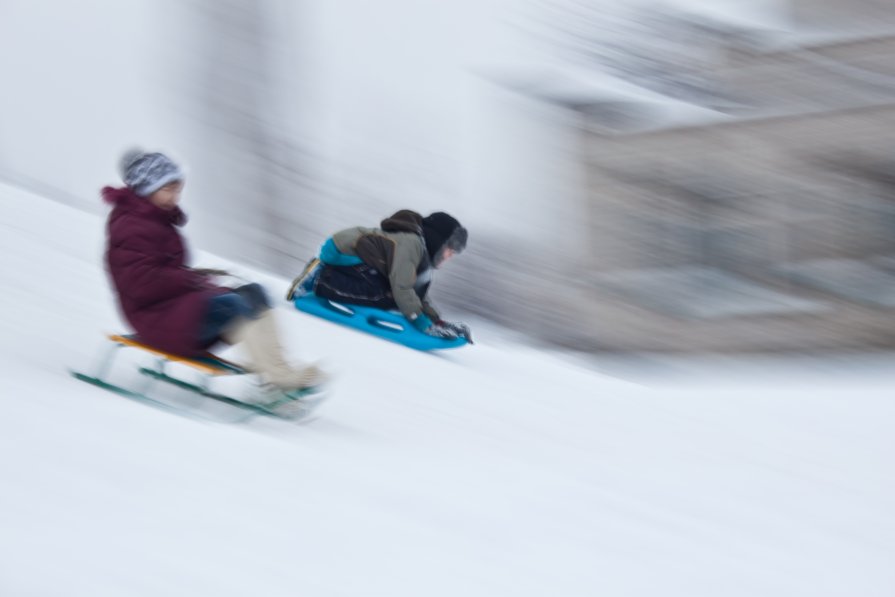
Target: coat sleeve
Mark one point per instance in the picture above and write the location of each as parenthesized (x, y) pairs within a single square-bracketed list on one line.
[(402, 277), (147, 275), (430, 310)]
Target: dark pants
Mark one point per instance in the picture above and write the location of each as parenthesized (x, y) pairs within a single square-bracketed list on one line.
[(245, 302), (356, 285)]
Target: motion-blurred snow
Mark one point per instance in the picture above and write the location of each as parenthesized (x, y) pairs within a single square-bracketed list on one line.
[(492, 470)]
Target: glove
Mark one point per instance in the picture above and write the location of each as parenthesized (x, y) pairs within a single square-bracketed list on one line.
[(438, 330), (460, 329)]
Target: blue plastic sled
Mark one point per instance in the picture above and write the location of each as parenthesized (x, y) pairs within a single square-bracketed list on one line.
[(389, 325)]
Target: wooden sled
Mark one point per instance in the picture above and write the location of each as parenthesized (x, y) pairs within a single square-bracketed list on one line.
[(300, 402)]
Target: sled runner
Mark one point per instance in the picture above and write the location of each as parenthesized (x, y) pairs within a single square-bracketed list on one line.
[(390, 325), (294, 404)]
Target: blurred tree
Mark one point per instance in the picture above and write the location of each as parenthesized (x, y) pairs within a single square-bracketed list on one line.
[(252, 166)]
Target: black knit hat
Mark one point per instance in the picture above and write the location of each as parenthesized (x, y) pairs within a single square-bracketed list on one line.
[(441, 230)]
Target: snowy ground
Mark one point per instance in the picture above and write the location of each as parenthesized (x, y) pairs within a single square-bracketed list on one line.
[(492, 470)]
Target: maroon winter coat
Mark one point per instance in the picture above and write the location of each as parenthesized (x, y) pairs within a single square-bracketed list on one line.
[(146, 256)]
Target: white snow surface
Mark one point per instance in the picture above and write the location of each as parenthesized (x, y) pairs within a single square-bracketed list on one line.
[(496, 469)]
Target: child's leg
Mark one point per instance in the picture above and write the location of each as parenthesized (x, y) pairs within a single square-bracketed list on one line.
[(223, 311), (358, 285), (255, 296)]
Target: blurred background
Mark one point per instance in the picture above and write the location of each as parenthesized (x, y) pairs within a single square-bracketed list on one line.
[(636, 175)]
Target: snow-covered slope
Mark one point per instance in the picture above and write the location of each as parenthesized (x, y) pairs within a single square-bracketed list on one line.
[(491, 470)]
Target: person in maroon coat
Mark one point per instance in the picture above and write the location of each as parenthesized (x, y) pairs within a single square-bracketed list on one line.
[(170, 305)]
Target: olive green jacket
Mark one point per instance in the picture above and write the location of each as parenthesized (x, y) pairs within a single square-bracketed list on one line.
[(397, 250)]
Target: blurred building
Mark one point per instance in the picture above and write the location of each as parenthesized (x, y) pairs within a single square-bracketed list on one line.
[(741, 187), (636, 174)]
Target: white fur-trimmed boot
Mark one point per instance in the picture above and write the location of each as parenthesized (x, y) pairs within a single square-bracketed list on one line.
[(261, 340)]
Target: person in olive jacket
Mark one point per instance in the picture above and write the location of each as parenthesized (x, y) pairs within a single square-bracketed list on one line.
[(170, 305), (389, 267)]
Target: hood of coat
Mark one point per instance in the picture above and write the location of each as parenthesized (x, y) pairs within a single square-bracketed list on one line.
[(126, 201), (403, 221)]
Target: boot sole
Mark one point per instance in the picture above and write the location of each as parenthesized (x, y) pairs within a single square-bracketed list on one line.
[(290, 294)]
